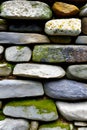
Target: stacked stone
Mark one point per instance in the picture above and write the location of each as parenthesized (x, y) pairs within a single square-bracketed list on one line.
[(43, 65)]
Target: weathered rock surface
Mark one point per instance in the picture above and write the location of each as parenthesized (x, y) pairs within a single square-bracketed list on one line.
[(38, 71), (14, 124), (18, 54), (22, 38), (34, 125), (67, 27), (3, 25), (58, 53), (80, 123), (73, 111), (20, 88), (5, 69), (44, 110), (83, 11), (66, 89), (84, 25), (25, 10), (57, 125), (78, 72), (62, 9), (81, 40)]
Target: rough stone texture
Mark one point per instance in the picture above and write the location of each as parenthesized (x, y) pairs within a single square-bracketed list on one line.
[(34, 125), (76, 111), (84, 25), (80, 124), (22, 38), (81, 40), (78, 72), (83, 11), (60, 39), (25, 10), (5, 69), (58, 53), (82, 128), (3, 25), (44, 109), (18, 54), (14, 124), (57, 125), (20, 88), (66, 89), (38, 71), (67, 27), (62, 9)]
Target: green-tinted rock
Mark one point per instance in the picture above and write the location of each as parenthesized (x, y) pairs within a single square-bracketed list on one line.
[(2, 116), (3, 25), (58, 53)]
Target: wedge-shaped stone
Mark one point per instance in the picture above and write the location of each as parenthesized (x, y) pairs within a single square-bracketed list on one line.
[(67, 27), (81, 39), (44, 110), (14, 124), (58, 53), (73, 111), (83, 11), (20, 88), (25, 10), (66, 89), (38, 71), (57, 125), (18, 54), (22, 38), (78, 72)]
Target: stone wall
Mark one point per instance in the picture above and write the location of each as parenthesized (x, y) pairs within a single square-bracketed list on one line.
[(43, 65)]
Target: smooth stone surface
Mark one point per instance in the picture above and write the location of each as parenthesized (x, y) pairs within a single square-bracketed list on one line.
[(5, 69), (22, 38), (82, 128), (62, 9), (83, 11), (25, 10), (81, 40), (43, 109), (66, 27), (80, 124), (14, 124), (1, 51), (57, 125), (76, 111), (78, 72), (66, 90), (38, 71), (84, 25), (3, 25), (20, 88), (59, 53), (18, 54), (60, 39)]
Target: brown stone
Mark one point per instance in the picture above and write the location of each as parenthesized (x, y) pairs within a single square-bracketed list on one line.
[(64, 10), (84, 25)]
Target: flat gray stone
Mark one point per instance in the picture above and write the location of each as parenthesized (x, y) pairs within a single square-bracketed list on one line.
[(81, 40), (18, 54), (59, 53), (38, 71), (25, 10), (14, 124), (82, 128), (66, 90), (76, 111), (20, 88), (83, 11), (39, 109), (78, 72), (66, 27), (22, 38), (5, 69), (80, 123)]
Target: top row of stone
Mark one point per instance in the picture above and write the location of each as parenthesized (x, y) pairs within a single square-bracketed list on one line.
[(38, 10)]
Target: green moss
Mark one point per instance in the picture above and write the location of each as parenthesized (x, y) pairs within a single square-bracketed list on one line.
[(44, 105), (2, 117), (57, 124), (2, 21), (20, 47)]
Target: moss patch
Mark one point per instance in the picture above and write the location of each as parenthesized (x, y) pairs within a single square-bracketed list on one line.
[(2, 117), (20, 47)]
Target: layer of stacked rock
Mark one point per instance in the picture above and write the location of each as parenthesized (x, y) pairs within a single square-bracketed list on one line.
[(43, 65)]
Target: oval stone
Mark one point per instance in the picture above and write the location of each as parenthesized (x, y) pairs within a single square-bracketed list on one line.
[(66, 90), (83, 11), (67, 27), (84, 25)]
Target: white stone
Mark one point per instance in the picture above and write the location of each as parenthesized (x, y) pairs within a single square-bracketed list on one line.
[(14, 124), (20, 88), (80, 123), (18, 54), (82, 128), (38, 70), (34, 125), (1, 49), (76, 111), (54, 128), (67, 27)]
